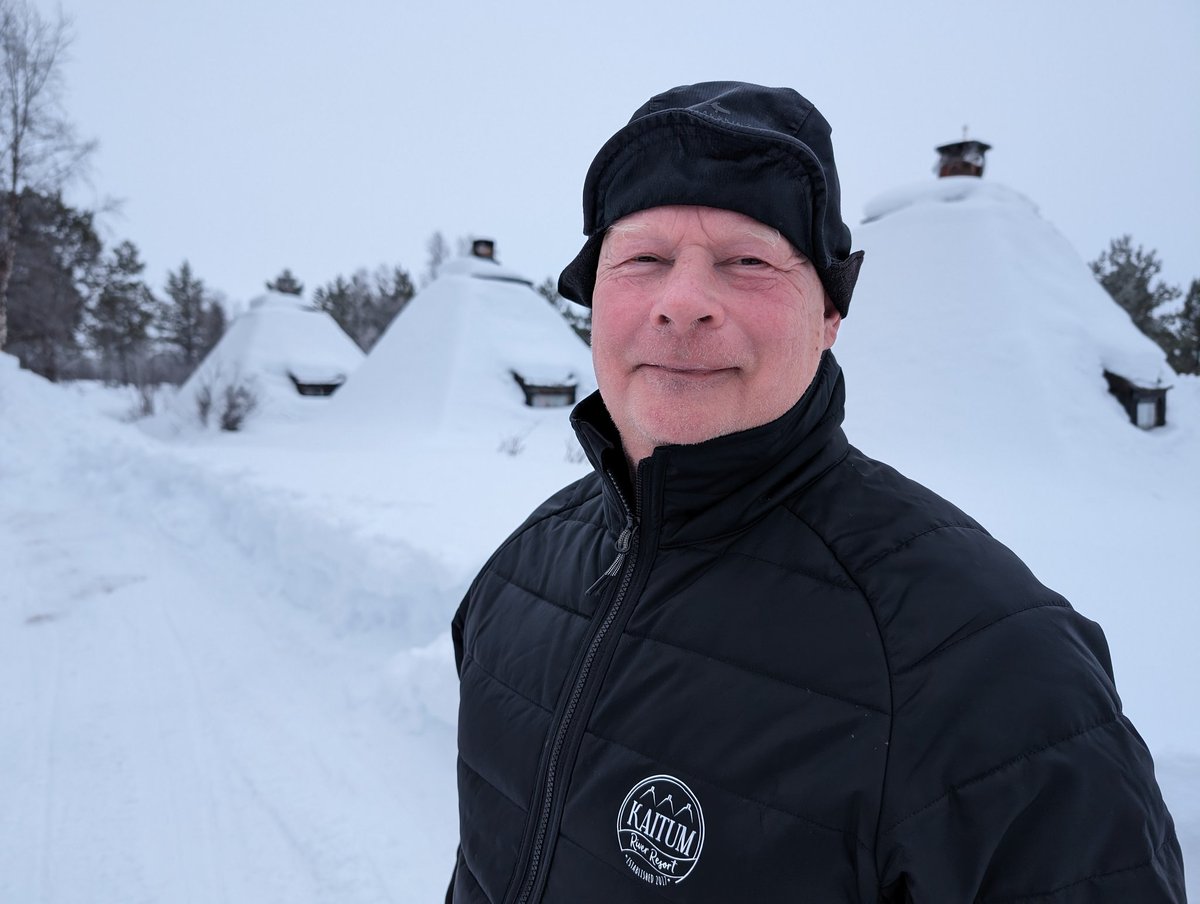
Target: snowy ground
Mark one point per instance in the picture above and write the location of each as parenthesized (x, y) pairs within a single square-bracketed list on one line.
[(224, 664), (206, 695)]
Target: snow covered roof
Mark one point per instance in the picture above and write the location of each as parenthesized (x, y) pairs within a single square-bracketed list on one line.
[(279, 339), (976, 324), (449, 359)]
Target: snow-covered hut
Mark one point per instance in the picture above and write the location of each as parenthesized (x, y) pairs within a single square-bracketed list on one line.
[(274, 357), (976, 325), (475, 347)]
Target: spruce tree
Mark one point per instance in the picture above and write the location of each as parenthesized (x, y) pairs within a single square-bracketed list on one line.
[(213, 326), (181, 317), (1129, 275), (439, 252), (364, 305), (578, 317), (55, 269), (394, 290), (120, 318), (286, 283), (1184, 327), (37, 142)]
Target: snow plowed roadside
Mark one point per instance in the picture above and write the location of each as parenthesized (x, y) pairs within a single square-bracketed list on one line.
[(206, 693), (349, 581)]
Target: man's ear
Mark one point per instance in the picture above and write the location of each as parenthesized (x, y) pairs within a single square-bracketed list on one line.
[(833, 320)]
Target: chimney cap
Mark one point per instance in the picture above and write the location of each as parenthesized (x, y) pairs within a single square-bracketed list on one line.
[(964, 146)]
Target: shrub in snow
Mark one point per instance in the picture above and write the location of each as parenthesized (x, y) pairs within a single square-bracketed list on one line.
[(512, 445), (204, 400), (143, 402), (238, 403)]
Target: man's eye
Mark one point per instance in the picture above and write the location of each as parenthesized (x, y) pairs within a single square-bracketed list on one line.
[(750, 261), (644, 259)]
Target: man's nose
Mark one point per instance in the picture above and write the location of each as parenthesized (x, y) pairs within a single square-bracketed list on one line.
[(689, 295)]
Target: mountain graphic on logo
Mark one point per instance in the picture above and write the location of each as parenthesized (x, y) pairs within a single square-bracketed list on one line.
[(669, 801)]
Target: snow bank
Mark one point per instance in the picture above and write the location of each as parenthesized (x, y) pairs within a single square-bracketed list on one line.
[(313, 559)]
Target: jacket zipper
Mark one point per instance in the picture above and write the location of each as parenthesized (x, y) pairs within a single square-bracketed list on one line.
[(623, 543), (622, 561)]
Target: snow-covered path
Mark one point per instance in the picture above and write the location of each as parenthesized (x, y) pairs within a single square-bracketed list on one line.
[(175, 726)]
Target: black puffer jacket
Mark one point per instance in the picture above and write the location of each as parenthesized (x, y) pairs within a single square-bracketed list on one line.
[(797, 677)]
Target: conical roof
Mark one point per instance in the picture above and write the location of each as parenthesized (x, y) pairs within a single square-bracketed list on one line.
[(449, 360), (976, 323), (277, 339)]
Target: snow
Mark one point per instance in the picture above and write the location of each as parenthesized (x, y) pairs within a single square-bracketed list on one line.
[(224, 659)]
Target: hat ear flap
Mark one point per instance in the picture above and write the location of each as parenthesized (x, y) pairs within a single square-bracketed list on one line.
[(578, 279), (839, 279)]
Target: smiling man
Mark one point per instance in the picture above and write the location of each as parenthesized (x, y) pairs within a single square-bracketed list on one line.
[(705, 323), (741, 661)]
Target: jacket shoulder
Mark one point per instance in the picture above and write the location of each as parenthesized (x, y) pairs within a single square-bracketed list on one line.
[(579, 501), (1006, 723), (930, 570)]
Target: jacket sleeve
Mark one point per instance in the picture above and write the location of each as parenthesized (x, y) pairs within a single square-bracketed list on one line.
[(1013, 775), (457, 627), (453, 877)]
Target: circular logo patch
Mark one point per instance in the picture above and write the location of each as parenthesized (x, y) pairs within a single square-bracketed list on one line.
[(660, 828)]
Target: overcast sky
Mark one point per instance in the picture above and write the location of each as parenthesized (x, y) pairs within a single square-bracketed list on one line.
[(252, 135)]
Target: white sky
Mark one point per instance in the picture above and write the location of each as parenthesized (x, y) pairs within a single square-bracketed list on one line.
[(250, 135)]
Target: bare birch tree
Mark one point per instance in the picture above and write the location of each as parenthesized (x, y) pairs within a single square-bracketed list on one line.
[(40, 148)]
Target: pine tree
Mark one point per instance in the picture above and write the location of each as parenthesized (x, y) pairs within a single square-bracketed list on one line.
[(56, 263), (578, 317), (37, 142), (212, 327), (120, 318), (342, 300), (286, 283), (1184, 328), (1129, 275), (365, 305), (181, 317), (394, 289), (438, 251)]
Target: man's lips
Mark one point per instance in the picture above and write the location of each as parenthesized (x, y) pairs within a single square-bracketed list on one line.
[(687, 368), (686, 371)]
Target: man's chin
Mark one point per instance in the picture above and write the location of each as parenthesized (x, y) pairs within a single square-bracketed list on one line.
[(681, 427)]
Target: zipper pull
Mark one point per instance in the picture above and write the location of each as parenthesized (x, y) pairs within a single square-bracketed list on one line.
[(623, 544)]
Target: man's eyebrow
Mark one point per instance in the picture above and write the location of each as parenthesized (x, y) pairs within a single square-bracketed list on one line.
[(775, 238), (768, 234), (625, 228)]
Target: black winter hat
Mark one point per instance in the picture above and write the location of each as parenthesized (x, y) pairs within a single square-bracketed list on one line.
[(764, 152)]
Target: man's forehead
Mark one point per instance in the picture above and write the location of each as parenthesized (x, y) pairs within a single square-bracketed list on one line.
[(716, 222)]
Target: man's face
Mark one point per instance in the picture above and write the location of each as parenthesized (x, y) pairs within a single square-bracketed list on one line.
[(704, 322)]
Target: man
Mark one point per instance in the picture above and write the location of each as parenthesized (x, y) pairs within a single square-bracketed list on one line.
[(743, 662)]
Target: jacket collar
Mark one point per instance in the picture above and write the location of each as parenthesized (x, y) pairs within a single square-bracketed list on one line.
[(720, 486)]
